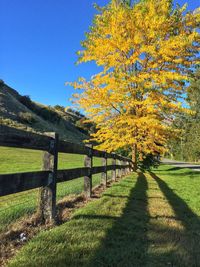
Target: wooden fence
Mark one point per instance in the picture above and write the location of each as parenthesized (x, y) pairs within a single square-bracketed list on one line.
[(48, 178)]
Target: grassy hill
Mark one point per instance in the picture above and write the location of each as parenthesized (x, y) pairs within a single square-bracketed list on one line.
[(21, 112)]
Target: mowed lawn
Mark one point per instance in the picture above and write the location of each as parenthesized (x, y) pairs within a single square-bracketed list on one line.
[(13, 160), (149, 219)]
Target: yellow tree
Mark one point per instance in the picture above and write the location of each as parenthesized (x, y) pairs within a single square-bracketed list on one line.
[(146, 51)]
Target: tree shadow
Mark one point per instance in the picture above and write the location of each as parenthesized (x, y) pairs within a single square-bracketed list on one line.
[(111, 231), (118, 231), (181, 168), (186, 251), (188, 172), (126, 243)]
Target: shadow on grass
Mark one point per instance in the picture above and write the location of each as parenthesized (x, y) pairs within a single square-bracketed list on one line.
[(174, 168), (126, 242), (178, 166), (184, 168), (111, 231), (186, 252), (118, 231)]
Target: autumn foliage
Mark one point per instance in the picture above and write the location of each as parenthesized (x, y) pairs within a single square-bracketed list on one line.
[(146, 51)]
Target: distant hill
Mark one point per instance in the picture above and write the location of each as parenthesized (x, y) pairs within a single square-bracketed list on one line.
[(21, 112)]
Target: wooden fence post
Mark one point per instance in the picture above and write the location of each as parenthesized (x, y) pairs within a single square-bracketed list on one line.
[(124, 169), (47, 205), (104, 176), (127, 169), (122, 163), (120, 170), (117, 170), (88, 162), (114, 174), (130, 168)]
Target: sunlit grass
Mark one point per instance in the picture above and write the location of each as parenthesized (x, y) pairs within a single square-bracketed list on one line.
[(150, 219), (13, 160)]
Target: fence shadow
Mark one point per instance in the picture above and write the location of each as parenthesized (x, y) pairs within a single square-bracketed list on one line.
[(186, 251), (126, 242)]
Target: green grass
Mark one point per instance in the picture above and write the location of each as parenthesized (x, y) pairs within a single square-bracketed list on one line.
[(149, 219), (13, 160), (22, 160)]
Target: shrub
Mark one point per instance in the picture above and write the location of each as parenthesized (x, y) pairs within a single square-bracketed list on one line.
[(26, 117), (59, 108), (150, 161), (75, 112), (84, 126), (47, 113), (26, 101)]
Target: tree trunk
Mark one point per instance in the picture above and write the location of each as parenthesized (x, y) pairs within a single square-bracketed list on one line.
[(134, 157)]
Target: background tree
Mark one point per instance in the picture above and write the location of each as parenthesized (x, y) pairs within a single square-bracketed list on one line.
[(146, 51), (187, 147), (192, 144)]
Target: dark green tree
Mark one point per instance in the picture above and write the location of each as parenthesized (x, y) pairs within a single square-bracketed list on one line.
[(192, 133), (187, 145)]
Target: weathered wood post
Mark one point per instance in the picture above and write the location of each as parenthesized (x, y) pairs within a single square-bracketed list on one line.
[(125, 173), (130, 166), (124, 168), (120, 170), (127, 167), (124, 163), (114, 172), (104, 176), (88, 162), (47, 205), (117, 170), (130, 169)]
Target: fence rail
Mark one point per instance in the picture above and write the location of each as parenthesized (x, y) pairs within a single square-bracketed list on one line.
[(48, 178)]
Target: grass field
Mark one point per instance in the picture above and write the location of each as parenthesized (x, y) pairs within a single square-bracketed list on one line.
[(149, 219), (12, 160)]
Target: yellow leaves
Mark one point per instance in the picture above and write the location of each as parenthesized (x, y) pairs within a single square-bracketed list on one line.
[(146, 52)]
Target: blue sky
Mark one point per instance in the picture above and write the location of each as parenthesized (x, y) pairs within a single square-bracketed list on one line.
[(38, 44)]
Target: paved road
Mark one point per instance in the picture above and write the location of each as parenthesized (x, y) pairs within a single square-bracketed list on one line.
[(182, 164)]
